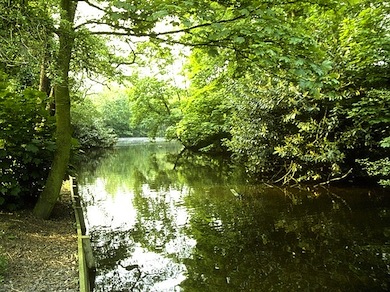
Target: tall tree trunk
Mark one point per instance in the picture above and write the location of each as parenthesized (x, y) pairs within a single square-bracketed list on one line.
[(44, 81), (52, 189)]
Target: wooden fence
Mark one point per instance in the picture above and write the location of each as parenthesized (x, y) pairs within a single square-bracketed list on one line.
[(87, 264)]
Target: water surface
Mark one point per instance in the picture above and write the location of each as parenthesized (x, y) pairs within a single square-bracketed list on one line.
[(164, 221)]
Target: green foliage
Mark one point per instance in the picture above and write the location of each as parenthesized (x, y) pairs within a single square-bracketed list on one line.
[(115, 109), (276, 125), (379, 169), (94, 56), (204, 119), (270, 79), (370, 117), (154, 105), (116, 115), (89, 128), (26, 145), (301, 93), (301, 87), (205, 108), (364, 44), (25, 31)]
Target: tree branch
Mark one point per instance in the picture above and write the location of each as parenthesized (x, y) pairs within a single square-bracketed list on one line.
[(204, 25), (193, 44), (93, 5), (334, 179), (130, 32)]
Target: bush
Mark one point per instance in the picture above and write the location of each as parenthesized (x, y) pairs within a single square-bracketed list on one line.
[(26, 145), (89, 129), (370, 117), (95, 135)]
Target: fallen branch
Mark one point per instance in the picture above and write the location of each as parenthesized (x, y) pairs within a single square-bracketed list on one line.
[(334, 179)]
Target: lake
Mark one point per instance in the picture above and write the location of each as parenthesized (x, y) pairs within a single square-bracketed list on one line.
[(165, 220)]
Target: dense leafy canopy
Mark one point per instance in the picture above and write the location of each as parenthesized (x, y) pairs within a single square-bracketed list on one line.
[(116, 115), (25, 31), (305, 85), (154, 104)]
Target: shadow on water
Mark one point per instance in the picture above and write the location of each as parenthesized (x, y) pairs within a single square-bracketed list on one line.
[(159, 223)]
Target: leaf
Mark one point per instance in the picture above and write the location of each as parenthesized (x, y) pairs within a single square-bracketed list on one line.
[(385, 143), (159, 14), (326, 65), (244, 12), (15, 190), (295, 40), (32, 148), (239, 40), (115, 16)]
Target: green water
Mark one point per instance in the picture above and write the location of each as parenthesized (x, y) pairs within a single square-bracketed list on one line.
[(160, 221)]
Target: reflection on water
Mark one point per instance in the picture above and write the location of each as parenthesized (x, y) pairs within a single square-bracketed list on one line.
[(163, 222)]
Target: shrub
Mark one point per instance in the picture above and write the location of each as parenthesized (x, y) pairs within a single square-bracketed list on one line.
[(26, 145)]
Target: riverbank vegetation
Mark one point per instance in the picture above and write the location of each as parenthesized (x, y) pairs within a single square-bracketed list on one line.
[(303, 99), (295, 91)]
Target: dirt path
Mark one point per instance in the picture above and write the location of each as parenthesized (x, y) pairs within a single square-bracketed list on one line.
[(41, 254)]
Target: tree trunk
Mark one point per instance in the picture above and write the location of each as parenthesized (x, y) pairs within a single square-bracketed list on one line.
[(51, 192), (44, 82)]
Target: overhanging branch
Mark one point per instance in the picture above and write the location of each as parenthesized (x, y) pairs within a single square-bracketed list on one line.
[(122, 30), (93, 5)]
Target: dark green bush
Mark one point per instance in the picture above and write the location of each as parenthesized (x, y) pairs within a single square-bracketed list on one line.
[(26, 145)]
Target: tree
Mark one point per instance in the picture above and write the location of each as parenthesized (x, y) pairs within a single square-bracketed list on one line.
[(154, 104), (205, 107), (24, 31), (63, 135), (297, 79), (125, 19), (116, 114), (70, 35)]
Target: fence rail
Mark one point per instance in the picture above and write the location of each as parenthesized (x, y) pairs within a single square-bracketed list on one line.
[(87, 264)]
